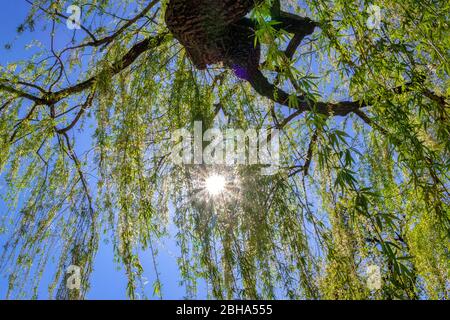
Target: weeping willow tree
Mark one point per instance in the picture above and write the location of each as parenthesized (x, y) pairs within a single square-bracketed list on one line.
[(362, 106)]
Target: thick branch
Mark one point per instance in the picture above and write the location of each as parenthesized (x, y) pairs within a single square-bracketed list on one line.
[(54, 97), (6, 87), (261, 85), (131, 56)]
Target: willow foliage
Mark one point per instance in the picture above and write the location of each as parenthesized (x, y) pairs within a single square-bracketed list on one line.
[(85, 142)]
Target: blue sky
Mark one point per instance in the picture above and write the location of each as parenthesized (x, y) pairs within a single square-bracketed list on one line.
[(108, 281)]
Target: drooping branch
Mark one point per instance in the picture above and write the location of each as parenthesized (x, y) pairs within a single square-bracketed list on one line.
[(370, 122), (108, 39), (82, 27), (80, 113)]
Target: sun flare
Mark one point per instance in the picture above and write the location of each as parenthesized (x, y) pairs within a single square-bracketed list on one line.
[(215, 184)]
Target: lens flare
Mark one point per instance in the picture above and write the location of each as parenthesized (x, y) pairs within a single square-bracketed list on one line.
[(215, 184)]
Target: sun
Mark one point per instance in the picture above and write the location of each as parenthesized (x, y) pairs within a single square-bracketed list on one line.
[(215, 184)]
